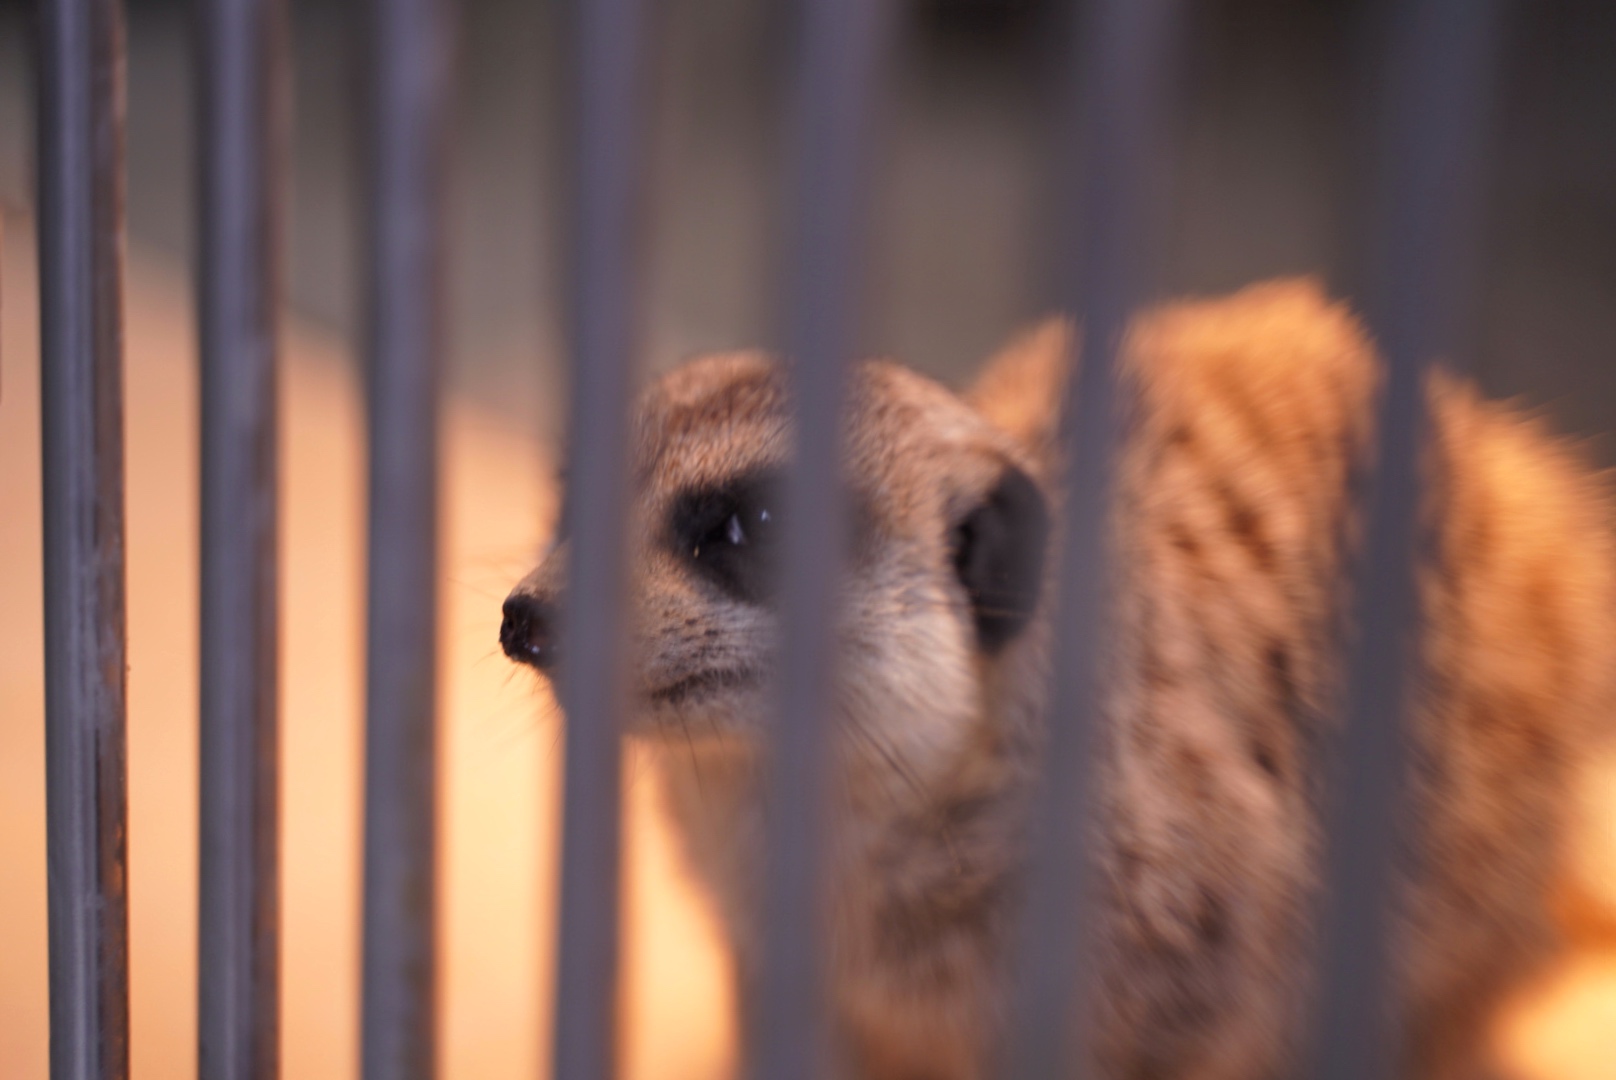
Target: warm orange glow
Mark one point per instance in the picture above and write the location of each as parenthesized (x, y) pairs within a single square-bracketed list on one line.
[(501, 748), (500, 745)]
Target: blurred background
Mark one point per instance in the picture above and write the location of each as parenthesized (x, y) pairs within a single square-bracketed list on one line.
[(1270, 156), (1269, 164)]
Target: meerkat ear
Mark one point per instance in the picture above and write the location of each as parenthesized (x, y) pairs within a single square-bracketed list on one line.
[(998, 551), (1022, 387)]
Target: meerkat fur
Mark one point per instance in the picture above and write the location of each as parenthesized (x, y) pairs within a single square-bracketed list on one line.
[(1249, 419)]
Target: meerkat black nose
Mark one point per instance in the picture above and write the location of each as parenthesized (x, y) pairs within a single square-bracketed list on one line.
[(528, 632)]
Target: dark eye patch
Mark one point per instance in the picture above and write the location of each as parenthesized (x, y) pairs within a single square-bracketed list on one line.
[(729, 534)]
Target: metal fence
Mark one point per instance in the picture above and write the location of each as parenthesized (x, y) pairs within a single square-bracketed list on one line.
[(1436, 81)]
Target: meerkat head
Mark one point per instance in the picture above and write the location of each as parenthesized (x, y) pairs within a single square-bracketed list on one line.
[(945, 569)]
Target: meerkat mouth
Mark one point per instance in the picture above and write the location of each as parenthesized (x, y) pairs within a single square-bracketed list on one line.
[(704, 684)]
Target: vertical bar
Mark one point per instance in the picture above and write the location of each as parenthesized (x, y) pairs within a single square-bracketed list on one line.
[(409, 76), (241, 65), (839, 42), (81, 406), (1125, 49), (1437, 92), (602, 317)]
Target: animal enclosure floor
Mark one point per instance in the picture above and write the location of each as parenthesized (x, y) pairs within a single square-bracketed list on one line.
[(501, 750)]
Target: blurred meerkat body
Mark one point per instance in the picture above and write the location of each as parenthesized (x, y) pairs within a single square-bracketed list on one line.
[(1232, 529)]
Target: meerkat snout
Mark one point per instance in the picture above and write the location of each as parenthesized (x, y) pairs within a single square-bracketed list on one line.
[(528, 631)]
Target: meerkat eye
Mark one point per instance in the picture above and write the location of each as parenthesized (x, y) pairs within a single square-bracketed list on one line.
[(736, 531), (727, 535)]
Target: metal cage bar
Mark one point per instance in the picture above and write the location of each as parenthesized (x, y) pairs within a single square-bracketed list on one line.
[(1438, 83), (1437, 89), (602, 315), (241, 91), (838, 43), (81, 406), (1119, 92), (409, 73)]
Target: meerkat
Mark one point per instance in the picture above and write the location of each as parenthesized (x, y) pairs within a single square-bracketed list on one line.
[(1232, 534)]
